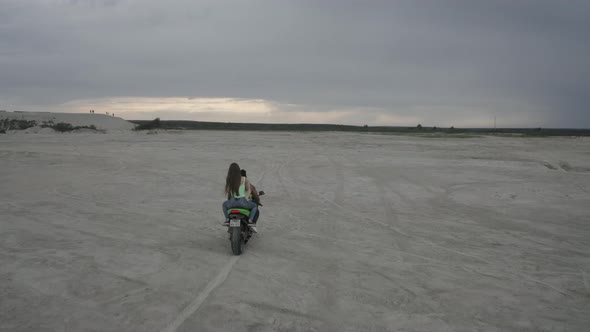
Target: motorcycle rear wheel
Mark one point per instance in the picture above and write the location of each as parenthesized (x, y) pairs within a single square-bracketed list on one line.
[(236, 240)]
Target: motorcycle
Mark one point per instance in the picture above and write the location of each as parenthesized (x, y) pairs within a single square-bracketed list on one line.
[(238, 229)]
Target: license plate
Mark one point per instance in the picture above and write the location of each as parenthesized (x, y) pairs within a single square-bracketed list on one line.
[(234, 223)]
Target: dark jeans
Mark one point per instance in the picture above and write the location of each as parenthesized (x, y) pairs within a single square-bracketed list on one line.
[(240, 203)]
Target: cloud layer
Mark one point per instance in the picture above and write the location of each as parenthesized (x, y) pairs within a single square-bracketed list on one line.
[(376, 62)]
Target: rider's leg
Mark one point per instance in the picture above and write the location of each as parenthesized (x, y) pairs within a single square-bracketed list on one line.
[(245, 204), (253, 207), (256, 216), (253, 210), (226, 207)]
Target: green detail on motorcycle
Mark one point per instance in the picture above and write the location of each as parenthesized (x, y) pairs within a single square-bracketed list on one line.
[(242, 211)]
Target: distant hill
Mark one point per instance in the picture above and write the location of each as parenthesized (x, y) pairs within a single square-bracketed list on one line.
[(100, 121)]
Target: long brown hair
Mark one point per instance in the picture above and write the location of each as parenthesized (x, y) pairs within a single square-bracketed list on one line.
[(233, 180)]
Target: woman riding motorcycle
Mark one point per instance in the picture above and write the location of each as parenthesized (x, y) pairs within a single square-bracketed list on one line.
[(238, 189)]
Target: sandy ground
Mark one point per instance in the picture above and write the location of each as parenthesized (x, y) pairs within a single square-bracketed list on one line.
[(100, 121), (121, 232)]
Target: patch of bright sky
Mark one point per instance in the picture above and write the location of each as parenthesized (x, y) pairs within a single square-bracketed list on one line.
[(265, 111)]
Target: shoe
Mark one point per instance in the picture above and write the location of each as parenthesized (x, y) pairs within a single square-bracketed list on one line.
[(226, 223), (252, 227)]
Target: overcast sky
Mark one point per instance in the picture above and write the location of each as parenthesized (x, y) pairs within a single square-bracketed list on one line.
[(432, 62)]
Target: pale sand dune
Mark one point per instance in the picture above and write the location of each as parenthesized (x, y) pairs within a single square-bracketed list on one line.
[(101, 121), (121, 232)]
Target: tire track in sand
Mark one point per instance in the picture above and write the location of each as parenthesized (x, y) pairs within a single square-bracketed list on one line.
[(194, 305), (198, 301)]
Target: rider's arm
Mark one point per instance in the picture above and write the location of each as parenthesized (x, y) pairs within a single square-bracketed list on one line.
[(248, 188), (255, 196)]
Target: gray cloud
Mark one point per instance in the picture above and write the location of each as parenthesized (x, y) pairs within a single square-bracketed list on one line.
[(438, 59)]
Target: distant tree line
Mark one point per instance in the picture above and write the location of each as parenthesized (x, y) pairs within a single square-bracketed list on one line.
[(148, 125), (200, 125)]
